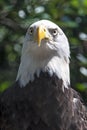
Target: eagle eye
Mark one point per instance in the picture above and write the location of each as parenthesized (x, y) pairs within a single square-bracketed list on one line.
[(30, 30), (55, 32)]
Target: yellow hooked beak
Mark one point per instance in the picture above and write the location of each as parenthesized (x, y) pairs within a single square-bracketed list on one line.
[(42, 33)]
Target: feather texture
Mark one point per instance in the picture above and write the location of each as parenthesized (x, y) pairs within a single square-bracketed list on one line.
[(42, 105)]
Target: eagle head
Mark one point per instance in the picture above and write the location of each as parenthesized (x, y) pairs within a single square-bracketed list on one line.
[(45, 49)]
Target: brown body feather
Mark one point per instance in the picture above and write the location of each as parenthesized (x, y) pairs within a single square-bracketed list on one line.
[(42, 105)]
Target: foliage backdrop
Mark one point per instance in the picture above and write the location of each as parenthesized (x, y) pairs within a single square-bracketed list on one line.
[(17, 15)]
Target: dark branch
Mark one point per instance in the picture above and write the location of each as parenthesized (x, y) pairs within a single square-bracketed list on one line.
[(11, 24)]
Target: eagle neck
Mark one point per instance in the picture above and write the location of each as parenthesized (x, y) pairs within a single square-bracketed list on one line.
[(34, 66)]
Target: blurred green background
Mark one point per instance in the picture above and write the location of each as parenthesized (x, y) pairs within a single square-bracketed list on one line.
[(17, 15)]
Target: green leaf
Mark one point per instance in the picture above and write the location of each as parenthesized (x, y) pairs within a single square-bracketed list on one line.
[(81, 87), (4, 85)]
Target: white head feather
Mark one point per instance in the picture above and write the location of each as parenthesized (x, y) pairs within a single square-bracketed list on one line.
[(51, 56)]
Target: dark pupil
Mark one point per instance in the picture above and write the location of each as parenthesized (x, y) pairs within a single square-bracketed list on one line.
[(54, 31), (31, 31)]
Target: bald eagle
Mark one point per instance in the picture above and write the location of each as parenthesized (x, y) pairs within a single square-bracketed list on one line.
[(41, 97)]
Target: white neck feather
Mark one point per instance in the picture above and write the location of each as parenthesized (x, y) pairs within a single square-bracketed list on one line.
[(42, 60)]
